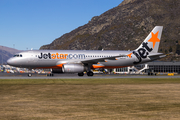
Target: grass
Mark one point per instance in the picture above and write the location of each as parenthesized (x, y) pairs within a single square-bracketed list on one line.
[(91, 81), (81, 99)]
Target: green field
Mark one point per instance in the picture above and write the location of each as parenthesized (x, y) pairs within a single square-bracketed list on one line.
[(80, 99)]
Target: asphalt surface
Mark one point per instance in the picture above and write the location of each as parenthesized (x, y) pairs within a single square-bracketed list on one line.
[(75, 76)]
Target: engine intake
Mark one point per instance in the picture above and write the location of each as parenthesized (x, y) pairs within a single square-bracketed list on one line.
[(73, 68)]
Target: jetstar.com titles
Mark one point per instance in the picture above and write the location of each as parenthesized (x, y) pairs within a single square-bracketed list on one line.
[(61, 56)]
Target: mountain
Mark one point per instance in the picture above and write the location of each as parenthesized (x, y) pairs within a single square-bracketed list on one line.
[(125, 27), (6, 53)]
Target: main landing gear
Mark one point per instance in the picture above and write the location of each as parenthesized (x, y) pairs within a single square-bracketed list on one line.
[(81, 74), (50, 75), (90, 73)]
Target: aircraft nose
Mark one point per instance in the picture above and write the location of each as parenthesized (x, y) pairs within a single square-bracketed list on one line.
[(10, 61)]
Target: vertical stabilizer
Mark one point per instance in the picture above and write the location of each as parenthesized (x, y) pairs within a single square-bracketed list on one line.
[(152, 40)]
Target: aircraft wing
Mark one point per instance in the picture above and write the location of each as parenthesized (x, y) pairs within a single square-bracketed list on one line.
[(96, 60)]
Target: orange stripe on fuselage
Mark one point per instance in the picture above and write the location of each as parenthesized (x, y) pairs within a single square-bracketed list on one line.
[(54, 67), (97, 66), (92, 67)]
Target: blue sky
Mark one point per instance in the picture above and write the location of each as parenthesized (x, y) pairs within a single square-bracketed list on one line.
[(26, 24)]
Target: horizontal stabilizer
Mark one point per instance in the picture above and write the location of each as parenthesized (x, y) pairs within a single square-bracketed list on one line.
[(156, 55)]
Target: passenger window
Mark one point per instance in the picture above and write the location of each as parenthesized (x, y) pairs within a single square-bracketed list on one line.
[(20, 55)]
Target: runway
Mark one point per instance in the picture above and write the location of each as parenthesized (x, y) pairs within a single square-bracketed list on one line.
[(75, 76)]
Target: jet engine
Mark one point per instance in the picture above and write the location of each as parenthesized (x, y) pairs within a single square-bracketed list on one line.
[(73, 68), (57, 70)]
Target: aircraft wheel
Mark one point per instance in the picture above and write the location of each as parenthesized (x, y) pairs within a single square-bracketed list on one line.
[(29, 75), (90, 73), (81, 74), (50, 75)]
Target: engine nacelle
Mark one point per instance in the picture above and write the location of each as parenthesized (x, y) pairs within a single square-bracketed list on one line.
[(57, 70), (73, 68)]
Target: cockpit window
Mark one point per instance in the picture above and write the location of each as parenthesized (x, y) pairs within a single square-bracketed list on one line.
[(18, 55)]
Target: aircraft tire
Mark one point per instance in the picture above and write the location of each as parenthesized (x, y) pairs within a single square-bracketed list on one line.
[(51, 74), (81, 74), (29, 75), (90, 73)]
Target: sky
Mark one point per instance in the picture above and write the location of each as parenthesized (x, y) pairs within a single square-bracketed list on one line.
[(27, 24)]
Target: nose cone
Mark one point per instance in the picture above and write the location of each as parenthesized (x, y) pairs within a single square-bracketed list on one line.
[(10, 61)]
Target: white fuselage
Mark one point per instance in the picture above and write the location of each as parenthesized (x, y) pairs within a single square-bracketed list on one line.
[(79, 61)]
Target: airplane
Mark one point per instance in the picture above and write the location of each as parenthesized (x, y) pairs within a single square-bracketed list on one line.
[(80, 61)]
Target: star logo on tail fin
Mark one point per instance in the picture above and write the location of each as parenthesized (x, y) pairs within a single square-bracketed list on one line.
[(154, 38)]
